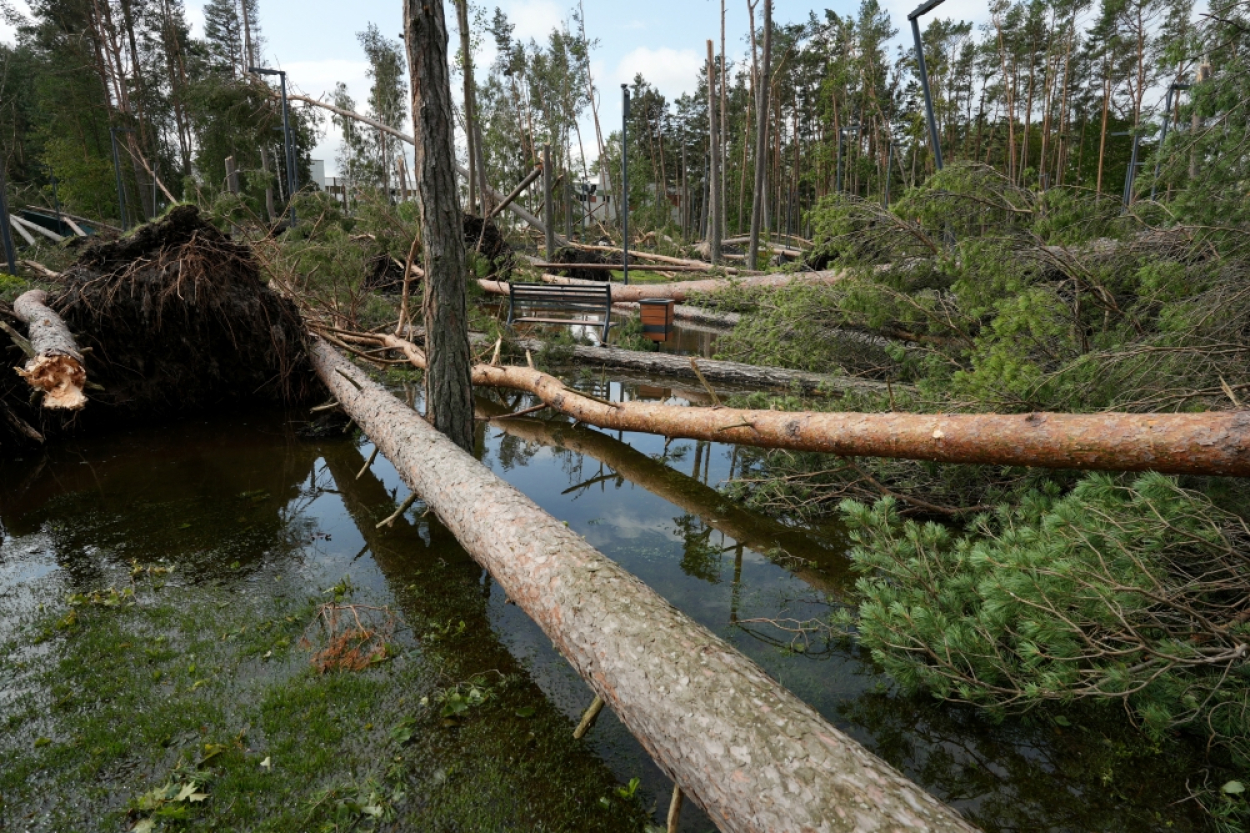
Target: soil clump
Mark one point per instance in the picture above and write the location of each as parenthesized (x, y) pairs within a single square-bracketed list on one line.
[(172, 319)]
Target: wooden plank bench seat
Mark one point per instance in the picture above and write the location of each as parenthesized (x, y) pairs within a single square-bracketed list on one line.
[(527, 298)]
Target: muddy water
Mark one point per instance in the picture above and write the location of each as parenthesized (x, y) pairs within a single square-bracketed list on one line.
[(236, 500)]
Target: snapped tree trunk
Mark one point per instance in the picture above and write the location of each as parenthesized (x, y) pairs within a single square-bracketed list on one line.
[(748, 752), (449, 389), (761, 139), (55, 365)]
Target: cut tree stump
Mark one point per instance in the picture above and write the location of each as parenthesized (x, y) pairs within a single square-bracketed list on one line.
[(750, 753), (56, 368)]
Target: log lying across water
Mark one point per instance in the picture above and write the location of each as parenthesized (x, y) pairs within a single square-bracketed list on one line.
[(668, 364), (56, 366), (751, 754), (1214, 443), (681, 290)]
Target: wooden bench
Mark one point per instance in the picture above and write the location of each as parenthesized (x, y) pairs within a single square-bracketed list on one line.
[(540, 297)]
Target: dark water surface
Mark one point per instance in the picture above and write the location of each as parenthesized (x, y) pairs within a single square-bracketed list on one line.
[(238, 498)]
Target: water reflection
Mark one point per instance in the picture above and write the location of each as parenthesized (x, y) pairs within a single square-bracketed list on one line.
[(250, 492)]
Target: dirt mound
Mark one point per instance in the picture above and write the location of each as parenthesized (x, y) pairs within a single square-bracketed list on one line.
[(573, 255), (177, 320), (494, 248)]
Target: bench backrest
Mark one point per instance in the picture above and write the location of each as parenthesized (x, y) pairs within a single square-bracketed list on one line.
[(596, 298)]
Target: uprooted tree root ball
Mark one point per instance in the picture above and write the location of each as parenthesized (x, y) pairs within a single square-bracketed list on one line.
[(173, 318)]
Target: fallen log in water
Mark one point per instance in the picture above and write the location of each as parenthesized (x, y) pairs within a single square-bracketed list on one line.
[(668, 364), (681, 290), (751, 754), (55, 366), (1213, 443)]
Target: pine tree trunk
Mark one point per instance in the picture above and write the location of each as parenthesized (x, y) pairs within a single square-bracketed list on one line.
[(761, 139), (448, 385)]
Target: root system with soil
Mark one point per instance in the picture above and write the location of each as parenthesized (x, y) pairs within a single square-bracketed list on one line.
[(171, 319)]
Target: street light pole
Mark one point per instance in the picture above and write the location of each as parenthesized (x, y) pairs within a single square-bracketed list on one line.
[(117, 169), (292, 176), (1163, 137), (6, 235), (625, 182), (914, 17)]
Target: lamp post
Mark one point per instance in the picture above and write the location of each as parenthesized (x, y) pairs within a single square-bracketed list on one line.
[(842, 131), (292, 178), (889, 164), (117, 169), (1163, 137), (625, 181), (914, 17), (6, 236)]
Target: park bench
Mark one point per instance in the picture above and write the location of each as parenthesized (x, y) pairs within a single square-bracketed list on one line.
[(525, 299)]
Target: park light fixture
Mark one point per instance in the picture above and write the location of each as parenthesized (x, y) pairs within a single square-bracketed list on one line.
[(117, 169), (1163, 137), (292, 182), (914, 17), (625, 181)]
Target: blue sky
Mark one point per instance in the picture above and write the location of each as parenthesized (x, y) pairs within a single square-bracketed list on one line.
[(665, 40)]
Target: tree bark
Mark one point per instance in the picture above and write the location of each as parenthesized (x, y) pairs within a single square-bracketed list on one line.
[(761, 138), (56, 366), (466, 67), (714, 223), (736, 373), (748, 752), (449, 388), (758, 532), (1213, 443), (681, 290)]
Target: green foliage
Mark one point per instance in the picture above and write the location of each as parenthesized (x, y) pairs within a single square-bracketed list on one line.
[(1115, 592)]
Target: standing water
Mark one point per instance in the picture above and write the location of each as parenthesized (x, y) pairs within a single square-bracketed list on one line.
[(165, 607)]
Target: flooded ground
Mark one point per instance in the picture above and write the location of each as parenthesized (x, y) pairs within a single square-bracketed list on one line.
[(118, 678)]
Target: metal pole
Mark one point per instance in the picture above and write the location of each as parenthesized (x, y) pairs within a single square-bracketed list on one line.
[(117, 169), (292, 177), (838, 162), (625, 182), (914, 17), (549, 214), (889, 166), (10, 254), (1163, 137), (1130, 176)]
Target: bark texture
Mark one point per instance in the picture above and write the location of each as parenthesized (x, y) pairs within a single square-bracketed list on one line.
[(681, 290), (449, 392), (56, 368), (1206, 444), (668, 364), (754, 756)]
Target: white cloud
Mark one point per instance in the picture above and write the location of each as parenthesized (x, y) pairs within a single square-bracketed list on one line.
[(534, 18), (8, 34), (195, 18), (671, 71)]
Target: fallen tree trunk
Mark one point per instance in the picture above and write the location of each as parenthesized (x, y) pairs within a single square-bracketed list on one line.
[(460, 169), (1213, 443), (55, 366), (681, 290), (757, 532), (751, 754), (51, 235), (668, 364)]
